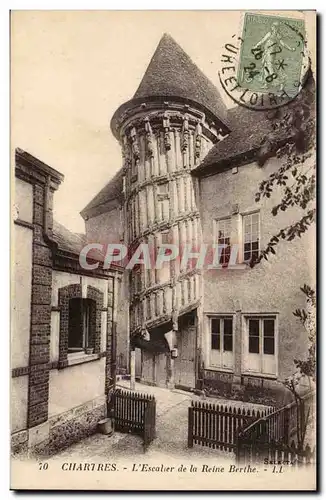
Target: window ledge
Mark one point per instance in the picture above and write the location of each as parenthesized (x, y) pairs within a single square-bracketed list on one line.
[(240, 266), (259, 375), (219, 369), (78, 358)]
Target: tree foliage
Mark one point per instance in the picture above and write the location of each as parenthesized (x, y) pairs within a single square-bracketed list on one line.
[(308, 319), (292, 140), (306, 368)]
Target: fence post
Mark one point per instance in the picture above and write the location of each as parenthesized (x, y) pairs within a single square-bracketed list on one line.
[(238, 450), (286, 436), (149, 421), (190, 426), (154, 417), (146, 426), (132, 369)]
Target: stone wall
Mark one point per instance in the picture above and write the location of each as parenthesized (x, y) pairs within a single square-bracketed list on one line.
[(75, 424)]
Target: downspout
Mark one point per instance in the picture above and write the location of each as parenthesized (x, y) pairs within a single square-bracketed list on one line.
[(47, 238), (114, 333)]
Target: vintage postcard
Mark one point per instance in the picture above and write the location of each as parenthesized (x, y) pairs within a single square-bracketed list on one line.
[(163, 320)]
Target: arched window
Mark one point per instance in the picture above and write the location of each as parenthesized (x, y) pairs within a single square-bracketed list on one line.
[(80, 320)]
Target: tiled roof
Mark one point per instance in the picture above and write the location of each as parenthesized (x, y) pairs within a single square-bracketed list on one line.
[(171, 72), (249, 128), (67, 240), (73, 243), (112, 191)]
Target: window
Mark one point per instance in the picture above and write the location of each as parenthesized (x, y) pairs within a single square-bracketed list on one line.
[(165, 237), (80, 321), (221, 342), (79, 330), (148, 307), (269, 336), (260, 349), (163, 200), (163, 189), (254, 335), (137, 280), (223, 232), (251, 236), (163, 274)]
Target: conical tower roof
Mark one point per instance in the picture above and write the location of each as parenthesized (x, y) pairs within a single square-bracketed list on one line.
[(171, 73)]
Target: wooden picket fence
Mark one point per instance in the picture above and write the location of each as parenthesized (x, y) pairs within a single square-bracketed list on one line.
[(274, 452), (270, 436), (216, 426), (135, 413)]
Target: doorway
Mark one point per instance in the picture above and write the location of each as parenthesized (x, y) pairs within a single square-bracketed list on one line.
[(185, 363)]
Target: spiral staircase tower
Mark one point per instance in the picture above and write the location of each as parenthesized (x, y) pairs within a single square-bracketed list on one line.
[(165, 131)]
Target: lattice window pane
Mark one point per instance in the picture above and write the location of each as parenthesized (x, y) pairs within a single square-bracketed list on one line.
[(251, 236)]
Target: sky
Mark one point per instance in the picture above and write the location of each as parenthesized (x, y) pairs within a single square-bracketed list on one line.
[(70, 70)]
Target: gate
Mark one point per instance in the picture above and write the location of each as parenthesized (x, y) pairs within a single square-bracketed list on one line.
[(149, 423), (270, 435), (135, 413), (216, 426)]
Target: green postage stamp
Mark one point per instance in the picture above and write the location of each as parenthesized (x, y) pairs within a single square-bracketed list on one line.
[(271, 55)]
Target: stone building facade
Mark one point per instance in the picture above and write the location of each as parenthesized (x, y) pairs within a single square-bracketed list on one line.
[(63, 322), (189, 176)]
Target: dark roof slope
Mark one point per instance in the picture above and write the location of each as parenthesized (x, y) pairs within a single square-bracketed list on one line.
[(248, 129), (111, 191), (171, 72), (67, 240)]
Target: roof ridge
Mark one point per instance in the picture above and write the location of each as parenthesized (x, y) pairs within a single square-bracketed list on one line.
[(172, 73)]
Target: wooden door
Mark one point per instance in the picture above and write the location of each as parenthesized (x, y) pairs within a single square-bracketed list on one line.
[(185, 362), (161, 370)]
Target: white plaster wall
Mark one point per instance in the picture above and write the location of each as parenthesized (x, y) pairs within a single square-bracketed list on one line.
[(21, 296), (24, 200), (122, 318), (105, 228), (60, 279), (101, 284), (76, 385), (103, 330), (272, 286), (18, 410), (55, 334)]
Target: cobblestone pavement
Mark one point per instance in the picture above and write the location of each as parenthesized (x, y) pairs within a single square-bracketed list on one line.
[(171, 426)]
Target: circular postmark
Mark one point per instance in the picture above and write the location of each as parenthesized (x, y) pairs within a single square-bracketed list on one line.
[(266, 67)]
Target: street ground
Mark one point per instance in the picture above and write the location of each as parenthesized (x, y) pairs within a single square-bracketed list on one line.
[(168, 464), (171, 432)]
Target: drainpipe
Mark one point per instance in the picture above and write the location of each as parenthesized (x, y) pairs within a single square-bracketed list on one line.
[(115, 290), (47, 238)]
